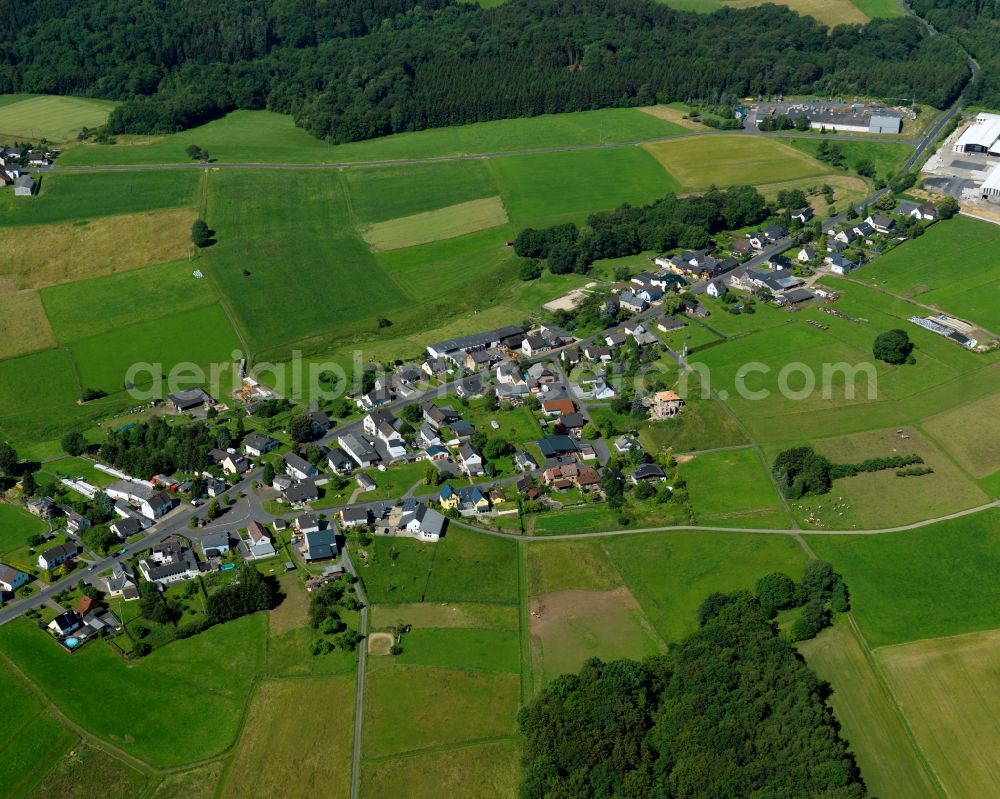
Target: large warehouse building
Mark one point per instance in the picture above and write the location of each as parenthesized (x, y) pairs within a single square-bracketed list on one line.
[(982, 136), (991, 186)]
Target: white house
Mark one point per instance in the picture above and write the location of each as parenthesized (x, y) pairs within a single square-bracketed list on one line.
[(57, 555), (11, 579), (257, 445), (360, 450), (298, 467), (423, 522), (259, 543), (881, 223), (716, 288), (470, 461), (184, 567)]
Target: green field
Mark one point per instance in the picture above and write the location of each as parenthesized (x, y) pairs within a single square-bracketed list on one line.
[(831, 12), (293, 233), (88, 771), (262, 136), (702, 161), (462, 648), (541, 190), (466, 772), (470, 615), (67, 198), (430, 226), (871, 723), (300, 752), (935, 581), (565, 565), (161, 290), (733, 488), (50, 379), (671, 573), (33, 739), (380, 194), (416, 707), (967, 433), (948, 691), (569, 627), (16, 525), (880, 499), (462, 567), (935, 270), (163, 725), (886, 157), (202, 336), (50, 117)]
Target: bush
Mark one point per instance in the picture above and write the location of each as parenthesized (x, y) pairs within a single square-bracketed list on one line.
[(776, 591), (530, 270)]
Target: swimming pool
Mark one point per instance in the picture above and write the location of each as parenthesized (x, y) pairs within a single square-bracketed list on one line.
[(72, 643)]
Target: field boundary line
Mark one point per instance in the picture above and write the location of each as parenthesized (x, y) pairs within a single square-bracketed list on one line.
[(883, 683), (524, 626), (936, 638)]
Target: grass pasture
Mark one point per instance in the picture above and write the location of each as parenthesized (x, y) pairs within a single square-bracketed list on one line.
[(745, 498), (462, 648), (24, 327), (934, 270), (48, 255), (263, 136), (445, 223), (410, 708), (202, 336), (464, 772), (886, 156), (871, 723), (446, 615), (51, 117), (968, 433), (568, 627), (380, 194), (88, 771), (197, 783), (288, 750), (437, 269), (565, 565), (34, 741), (163, 726), (881, 499), (935, 581), (68, 197), (671, 573), (541, 190), (947, 689), (292, 232), (734, 160), (160, 290)]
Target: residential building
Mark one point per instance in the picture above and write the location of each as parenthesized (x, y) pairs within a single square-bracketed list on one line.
[(129, 526), (301, 493), (42, 507), (363, 453), (65, 623), (318, 545), (258, 542), (298, 468), (358, 516), (339, 461), (215, 544), (257, 444), (121, 583), (184, 567), (647, 473), (57, 555), (189, 399), (11, 579), (665, 404), (881, 223), (306, 523), (426, 523), (470, 461)]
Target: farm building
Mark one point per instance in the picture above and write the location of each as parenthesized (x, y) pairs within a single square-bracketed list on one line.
[(991, 186), (24, 186)]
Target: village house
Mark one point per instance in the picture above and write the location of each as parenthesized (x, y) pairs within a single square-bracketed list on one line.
[(301, 493), (466, 500), (129, 526), (65, 623), (57, 555), (214, 545), (121, 583), (647, 473), (597, 353), (839, 265), (318, 545), (358, 516), (363, 453), (339, 461), (470, 387), (802, 215), (298, 468), (24, 186), (665, 404), (665, 323), (256, 445), (422, 522), (523, 461), (258, 543), (11, 579), (75, 522), (183, 567), (230, 462), (632, 302), (437, 452), (715, 289), (42, 507), (438, 417), (806, 254), (882, 223), (365, 483), (470, 461)]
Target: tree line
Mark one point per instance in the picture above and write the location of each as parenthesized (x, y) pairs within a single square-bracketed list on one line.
[(731, 710), (365, 68), (802, 472), (666, 223)]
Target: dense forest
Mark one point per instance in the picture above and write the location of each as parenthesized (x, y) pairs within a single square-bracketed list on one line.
[(156, 447), (976, 24), (355, 69), (730, 711)]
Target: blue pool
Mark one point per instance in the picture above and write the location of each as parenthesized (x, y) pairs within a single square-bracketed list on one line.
[(72, 643), (227, 567)]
